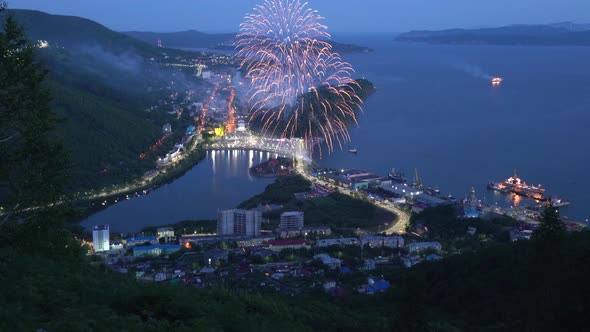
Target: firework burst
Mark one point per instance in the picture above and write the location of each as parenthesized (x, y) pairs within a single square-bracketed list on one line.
[(299, 86)]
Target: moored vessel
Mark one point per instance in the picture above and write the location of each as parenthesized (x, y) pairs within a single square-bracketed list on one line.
[(398, 177), (516, 185)]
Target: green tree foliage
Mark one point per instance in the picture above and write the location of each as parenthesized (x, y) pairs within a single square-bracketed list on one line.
[(551, 227), (32, 165), (411, 308), (335, 210), (445, 225), (549, 262), (504, 288), (279, 192), (342, 211)]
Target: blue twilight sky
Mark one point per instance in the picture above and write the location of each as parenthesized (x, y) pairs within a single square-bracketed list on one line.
[(341, 15)]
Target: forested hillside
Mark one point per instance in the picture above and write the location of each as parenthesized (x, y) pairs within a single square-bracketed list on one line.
[(101, 83)]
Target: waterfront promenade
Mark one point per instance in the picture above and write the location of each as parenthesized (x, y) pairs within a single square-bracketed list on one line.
[(289, 148), (293, 148)]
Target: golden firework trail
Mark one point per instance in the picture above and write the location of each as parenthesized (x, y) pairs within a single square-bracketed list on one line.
[(299, 86)]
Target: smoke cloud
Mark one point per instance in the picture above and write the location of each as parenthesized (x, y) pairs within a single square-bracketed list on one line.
[(474, 71)]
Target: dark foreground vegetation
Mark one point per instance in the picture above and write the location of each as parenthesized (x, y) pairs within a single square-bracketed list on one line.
[(48, 283), (446, 225), (526, 286)]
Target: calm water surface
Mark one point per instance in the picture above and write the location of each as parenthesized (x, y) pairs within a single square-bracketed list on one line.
[(436, 111), (219, 181)]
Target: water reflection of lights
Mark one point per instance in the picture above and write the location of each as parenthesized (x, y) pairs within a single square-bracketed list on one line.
[(250, 163), (236, 157), (213, 159), (516, 200), (225, 156)]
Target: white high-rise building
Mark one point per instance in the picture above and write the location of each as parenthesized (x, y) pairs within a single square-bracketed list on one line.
[(292, 220), (239, 222), (100, 238), (225, 222)]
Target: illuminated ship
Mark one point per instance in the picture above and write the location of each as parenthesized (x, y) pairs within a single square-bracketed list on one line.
[(496, 81), (515, 185)]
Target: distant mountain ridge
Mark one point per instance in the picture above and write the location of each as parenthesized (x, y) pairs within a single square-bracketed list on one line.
[(556, 34), (196, 39), (70, 31), (571, 26), (182, 39)]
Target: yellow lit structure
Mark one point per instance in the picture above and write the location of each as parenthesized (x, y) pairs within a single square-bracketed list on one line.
[(220, 131)]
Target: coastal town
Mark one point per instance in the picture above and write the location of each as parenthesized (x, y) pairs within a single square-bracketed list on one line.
[(269, 248), (272, 249)]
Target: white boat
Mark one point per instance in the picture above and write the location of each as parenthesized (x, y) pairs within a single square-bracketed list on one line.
[(558, 202), (353, 150)]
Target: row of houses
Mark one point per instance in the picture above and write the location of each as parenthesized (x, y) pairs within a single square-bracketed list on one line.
[(373, 241), (277, 245)]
